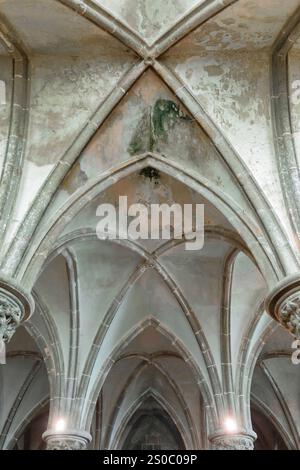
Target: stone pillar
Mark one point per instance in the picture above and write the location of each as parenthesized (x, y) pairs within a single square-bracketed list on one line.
[(283, 304), (237, 441), (67, 440), (15, 306)]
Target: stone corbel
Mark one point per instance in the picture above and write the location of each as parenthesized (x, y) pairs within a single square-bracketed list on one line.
[(15, 306), (67, 440), (283, 304), (236, 441)]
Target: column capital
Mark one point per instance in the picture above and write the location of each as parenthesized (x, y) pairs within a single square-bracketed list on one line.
[(283, 304), (70, 439), (237, 441), (16, 305)]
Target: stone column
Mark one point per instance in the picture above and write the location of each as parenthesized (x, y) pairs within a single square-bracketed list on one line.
[(237, 441), (15, 306), (68, 440), (283, 304)]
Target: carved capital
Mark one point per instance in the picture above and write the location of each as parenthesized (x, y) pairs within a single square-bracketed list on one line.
[(232, 442), (65, 444), (283, 304), (15, 306), (69, 440), (289, 314), (10, 317)]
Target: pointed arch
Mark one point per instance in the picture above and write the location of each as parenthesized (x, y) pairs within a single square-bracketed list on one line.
[(274, 237), (91, 396), (150, 393), (246, 226), (149, 260), (266, 411), (5, 432), (136, 373), (152, 260), (27, 419)]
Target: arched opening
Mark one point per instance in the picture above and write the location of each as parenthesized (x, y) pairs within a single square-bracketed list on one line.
[(142, 342), (150, 378), (151, 428), (111, 287), (31, 437), (268, 437), (24, 393)]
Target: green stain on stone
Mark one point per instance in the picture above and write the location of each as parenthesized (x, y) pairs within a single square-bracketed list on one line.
[(165, 115), (141, 140), (154, 126)]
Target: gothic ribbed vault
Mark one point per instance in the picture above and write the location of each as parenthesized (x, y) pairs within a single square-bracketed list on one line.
[(144, 344)]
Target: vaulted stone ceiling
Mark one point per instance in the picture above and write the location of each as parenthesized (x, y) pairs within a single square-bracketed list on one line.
[(96, 92)]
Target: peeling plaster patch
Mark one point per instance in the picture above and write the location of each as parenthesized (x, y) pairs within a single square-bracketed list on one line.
[(213, 70), (49, 27), (75, 178), (247, 24), (174, 134), (64, 94), (238, 101), (149, 18)]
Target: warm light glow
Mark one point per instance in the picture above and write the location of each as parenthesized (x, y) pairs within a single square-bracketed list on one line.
[(230, 425), (60, 425)]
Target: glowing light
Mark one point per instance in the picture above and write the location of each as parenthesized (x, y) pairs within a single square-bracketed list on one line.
[(60, 425), (230, 425)]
